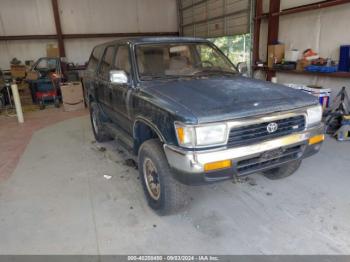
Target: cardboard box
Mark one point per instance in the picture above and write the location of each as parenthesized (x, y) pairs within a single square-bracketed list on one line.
[(72, 96), (301, 64), (52, 51), (18, 71), (25, 95), (275, 54)]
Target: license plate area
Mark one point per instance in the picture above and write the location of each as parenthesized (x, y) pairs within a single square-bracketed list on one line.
[(271, 154), (268, 159)]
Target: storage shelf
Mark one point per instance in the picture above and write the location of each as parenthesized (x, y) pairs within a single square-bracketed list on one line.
[(296, 72)]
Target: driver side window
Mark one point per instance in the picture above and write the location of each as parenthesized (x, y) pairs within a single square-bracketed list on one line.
[(106, 62), (122, 61)]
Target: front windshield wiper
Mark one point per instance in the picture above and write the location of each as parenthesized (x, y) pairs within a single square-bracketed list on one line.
[(151, 77), (214, 72)]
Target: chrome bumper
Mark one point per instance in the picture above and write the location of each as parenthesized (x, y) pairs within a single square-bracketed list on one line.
[(192, 162)]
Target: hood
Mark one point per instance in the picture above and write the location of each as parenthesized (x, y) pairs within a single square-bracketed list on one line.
[(217, 99)]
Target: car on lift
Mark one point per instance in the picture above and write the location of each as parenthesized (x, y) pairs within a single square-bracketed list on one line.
[(191, 118)]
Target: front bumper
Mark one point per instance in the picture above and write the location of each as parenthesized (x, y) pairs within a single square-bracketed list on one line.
[(188, 166)]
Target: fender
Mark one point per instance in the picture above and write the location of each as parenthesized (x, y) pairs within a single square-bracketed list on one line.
[(150, 124)]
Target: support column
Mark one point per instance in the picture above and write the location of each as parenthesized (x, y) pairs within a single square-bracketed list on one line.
[(273, 27), (257, 22), (56, 15)]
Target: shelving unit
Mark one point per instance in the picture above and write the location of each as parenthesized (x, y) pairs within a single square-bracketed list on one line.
[(296, 72), (273, 26)]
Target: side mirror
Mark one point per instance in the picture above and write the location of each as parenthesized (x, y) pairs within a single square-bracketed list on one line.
[(242, 67), (118, 77)]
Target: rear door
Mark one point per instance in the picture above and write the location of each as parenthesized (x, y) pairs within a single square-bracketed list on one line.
[(104, 88), (122, 92)]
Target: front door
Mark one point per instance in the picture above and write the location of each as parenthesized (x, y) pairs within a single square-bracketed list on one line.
[(122, 92)]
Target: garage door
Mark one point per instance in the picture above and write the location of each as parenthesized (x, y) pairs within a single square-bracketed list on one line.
[(214, 18)]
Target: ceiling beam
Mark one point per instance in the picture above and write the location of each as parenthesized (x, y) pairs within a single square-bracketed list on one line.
[(79, 36), (304, 8), (130, 34), (26, 37)]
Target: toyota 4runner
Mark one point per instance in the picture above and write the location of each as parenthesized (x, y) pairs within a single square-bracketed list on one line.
[(190, 117)]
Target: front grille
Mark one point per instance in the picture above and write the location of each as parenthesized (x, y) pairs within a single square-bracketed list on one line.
[(250, 134), (268, 159)]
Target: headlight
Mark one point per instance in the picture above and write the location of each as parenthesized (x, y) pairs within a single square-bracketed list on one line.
[(314, 115), (210, 135), (192, 136)]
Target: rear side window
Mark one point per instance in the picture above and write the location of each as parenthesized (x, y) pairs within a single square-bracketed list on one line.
[(94, 59), (107, 62)]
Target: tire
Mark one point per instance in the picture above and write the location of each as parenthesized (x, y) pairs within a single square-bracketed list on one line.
[(57, 102), (98, 129), (2, 103), (41, 105), (171, 196), (282, 171)]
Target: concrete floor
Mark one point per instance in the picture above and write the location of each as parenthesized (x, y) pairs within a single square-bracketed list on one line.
[(57, 201), (14, 137)]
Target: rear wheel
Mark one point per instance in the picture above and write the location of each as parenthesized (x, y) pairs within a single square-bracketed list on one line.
[(282, 171), (164, 194), (97, 124)]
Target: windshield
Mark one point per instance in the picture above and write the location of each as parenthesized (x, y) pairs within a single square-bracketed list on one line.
[(180, 60)]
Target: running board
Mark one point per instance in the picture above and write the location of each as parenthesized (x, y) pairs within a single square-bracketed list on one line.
[(120, 135)]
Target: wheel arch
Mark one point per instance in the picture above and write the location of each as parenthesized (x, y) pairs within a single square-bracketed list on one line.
[(143, 130)]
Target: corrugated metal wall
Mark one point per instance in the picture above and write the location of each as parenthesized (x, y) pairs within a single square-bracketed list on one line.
[(214, 18), (32, 17)]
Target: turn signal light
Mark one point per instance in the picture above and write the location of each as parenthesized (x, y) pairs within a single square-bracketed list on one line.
[(217, 165), (181, 134), (316, 139)]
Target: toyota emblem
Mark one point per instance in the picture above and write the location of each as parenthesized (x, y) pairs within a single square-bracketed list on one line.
[(272, 127)]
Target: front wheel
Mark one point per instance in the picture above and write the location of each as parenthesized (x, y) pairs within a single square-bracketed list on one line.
[(2, 102), (164, 194), (282, 171)]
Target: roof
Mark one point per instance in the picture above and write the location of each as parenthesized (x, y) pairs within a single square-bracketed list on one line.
[(141, 40)]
